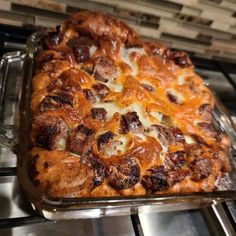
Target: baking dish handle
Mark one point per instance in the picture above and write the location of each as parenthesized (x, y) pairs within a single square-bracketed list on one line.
[(10, 88), (224, 119), (7, 139)]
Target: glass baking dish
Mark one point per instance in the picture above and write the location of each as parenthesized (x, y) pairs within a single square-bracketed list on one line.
[(91, 207)]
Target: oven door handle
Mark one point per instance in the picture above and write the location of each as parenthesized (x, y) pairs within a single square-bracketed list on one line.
[(226, 122)]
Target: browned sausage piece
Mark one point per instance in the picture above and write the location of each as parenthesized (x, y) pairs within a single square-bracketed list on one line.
[(104, 139), (178, 136), (172, 98), (148, 87), (89, 95), (205, 112), (180, 58), (123, 173), (79, 140), (169, 136), (175, 160), (163, 134), (209, 130), (81, 53), (176, 176), (49, 132), (104, 69), (130, 122), (155, 179), (101, 90), (201, 168), (98, 169), (55, 100), (51, 40), (194, 150), (99, 114)]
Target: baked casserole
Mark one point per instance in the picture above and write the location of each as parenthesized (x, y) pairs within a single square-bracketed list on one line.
[(115, 115)]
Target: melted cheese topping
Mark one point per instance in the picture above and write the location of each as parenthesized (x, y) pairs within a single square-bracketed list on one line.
[(189, 139), (180, 98), (125, 57), (114, 85), (92, 50), (141, 112), (181, 80), (157, 115), (123, 145), (110, 107)]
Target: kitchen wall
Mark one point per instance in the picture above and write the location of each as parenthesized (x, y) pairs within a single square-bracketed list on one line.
[(206, 28)]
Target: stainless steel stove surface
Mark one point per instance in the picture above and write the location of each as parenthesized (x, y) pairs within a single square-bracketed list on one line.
[(18, 218)]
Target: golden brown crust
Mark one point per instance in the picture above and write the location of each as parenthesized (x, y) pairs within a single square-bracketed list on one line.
[(99, 25), (61, 174), (131, 116)]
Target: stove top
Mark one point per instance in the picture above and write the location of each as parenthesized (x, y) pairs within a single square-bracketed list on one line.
[(16, 214)]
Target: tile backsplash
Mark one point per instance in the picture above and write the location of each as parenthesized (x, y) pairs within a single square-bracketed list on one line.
[(206, 28)]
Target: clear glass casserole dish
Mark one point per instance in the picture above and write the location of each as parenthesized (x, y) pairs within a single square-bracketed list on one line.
[(91, 207)]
